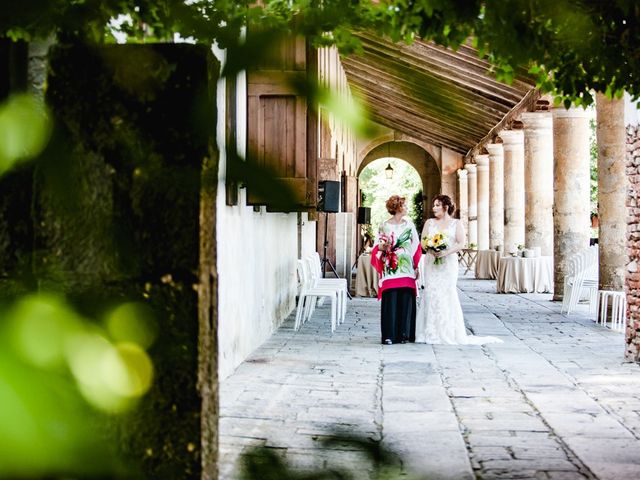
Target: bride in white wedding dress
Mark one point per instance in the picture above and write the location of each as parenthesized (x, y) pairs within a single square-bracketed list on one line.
[(439, 318)]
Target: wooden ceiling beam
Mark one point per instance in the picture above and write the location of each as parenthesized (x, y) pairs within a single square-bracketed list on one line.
[(381, 104), (522, 79), (413, 69), (470, 55), (412, 120), (453, 115), (448, 66), (437, 95), (440, 95), (481, 82), (422, 136), (525, 104)]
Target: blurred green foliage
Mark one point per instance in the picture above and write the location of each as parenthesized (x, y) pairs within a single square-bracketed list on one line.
[(61, 378), (25, 128), (88, 387), (375, 462), (569, 47)]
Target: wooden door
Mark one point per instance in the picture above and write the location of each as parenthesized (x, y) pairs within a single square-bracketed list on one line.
[(280, 124)]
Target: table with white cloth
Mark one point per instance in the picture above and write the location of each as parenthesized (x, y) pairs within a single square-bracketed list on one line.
[(525, 275), (487, 264), (366, 277)]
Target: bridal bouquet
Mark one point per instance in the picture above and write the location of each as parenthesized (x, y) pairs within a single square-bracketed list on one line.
[(435, 243), (390, 254)]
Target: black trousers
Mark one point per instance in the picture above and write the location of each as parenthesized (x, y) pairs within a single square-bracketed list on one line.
[(398, 315)]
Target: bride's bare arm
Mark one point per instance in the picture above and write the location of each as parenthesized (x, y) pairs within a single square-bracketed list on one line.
[(425, 227), (458, 243)]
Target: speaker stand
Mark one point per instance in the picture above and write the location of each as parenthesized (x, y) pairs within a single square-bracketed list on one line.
[(325, 260), (363, 247)]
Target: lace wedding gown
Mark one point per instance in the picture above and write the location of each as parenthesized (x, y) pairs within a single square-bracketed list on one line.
[(439, 317)]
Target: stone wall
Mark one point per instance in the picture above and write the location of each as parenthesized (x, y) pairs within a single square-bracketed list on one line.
[(632, 283)]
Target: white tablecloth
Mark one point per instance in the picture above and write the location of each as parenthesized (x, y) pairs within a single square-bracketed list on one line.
[(525, 275), (487, 264), (366, 277)]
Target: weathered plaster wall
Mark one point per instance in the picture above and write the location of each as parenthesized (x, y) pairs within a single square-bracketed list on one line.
[(257, 253)]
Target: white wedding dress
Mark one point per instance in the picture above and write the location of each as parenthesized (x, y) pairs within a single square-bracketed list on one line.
[(439, 318)]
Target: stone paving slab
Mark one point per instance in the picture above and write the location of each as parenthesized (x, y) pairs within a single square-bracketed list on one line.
[(554, 401)]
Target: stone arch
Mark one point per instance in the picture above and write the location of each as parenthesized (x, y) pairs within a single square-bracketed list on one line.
[(415, 155)]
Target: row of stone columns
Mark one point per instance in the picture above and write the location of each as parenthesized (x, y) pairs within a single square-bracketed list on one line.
[(549, 206), (508, 208)]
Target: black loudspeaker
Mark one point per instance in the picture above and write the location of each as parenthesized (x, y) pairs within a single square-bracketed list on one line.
[(329, 196), (364, 215)]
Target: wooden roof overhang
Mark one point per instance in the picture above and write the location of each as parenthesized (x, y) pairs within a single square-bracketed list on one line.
[(437, 95)]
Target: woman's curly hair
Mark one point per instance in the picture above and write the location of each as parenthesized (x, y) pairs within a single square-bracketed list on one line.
[(394, 203)]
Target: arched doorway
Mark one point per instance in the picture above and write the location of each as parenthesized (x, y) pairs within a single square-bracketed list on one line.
[(390, 176), (418, 158)]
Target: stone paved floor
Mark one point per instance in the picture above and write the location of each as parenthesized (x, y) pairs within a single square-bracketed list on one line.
[(554, 401)]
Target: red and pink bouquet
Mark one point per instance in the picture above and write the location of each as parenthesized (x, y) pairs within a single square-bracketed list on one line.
[(387, 245), (390, 246)]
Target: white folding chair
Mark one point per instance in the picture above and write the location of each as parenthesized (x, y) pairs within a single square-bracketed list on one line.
[(308, 296), (339, 284), (582, 275)]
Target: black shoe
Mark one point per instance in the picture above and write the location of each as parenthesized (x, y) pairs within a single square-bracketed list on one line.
[(404, 341), (388, 342)]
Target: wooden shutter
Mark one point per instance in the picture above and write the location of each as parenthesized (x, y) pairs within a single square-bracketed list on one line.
[(278, 132)]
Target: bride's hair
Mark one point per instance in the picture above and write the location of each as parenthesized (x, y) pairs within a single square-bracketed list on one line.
[(445, 201)]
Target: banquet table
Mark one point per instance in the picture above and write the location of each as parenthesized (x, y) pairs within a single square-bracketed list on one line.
[(366, 277), (487, 264), (525, 275)]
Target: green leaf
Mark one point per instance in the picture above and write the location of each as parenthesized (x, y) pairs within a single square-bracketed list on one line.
[(24, 130)]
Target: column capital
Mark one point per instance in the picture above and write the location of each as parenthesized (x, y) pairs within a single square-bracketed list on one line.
[(495, 149), (471, 168), (512, 139), (462, 173), (482, 161), (573, 112), (537, 120)]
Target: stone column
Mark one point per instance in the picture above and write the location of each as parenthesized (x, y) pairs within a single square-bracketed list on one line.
[(513, 188), (538, 186), (572, 182), (38, 65), (612, 191), (482, 161), (496, 195), (473, 202), (463, 202)]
